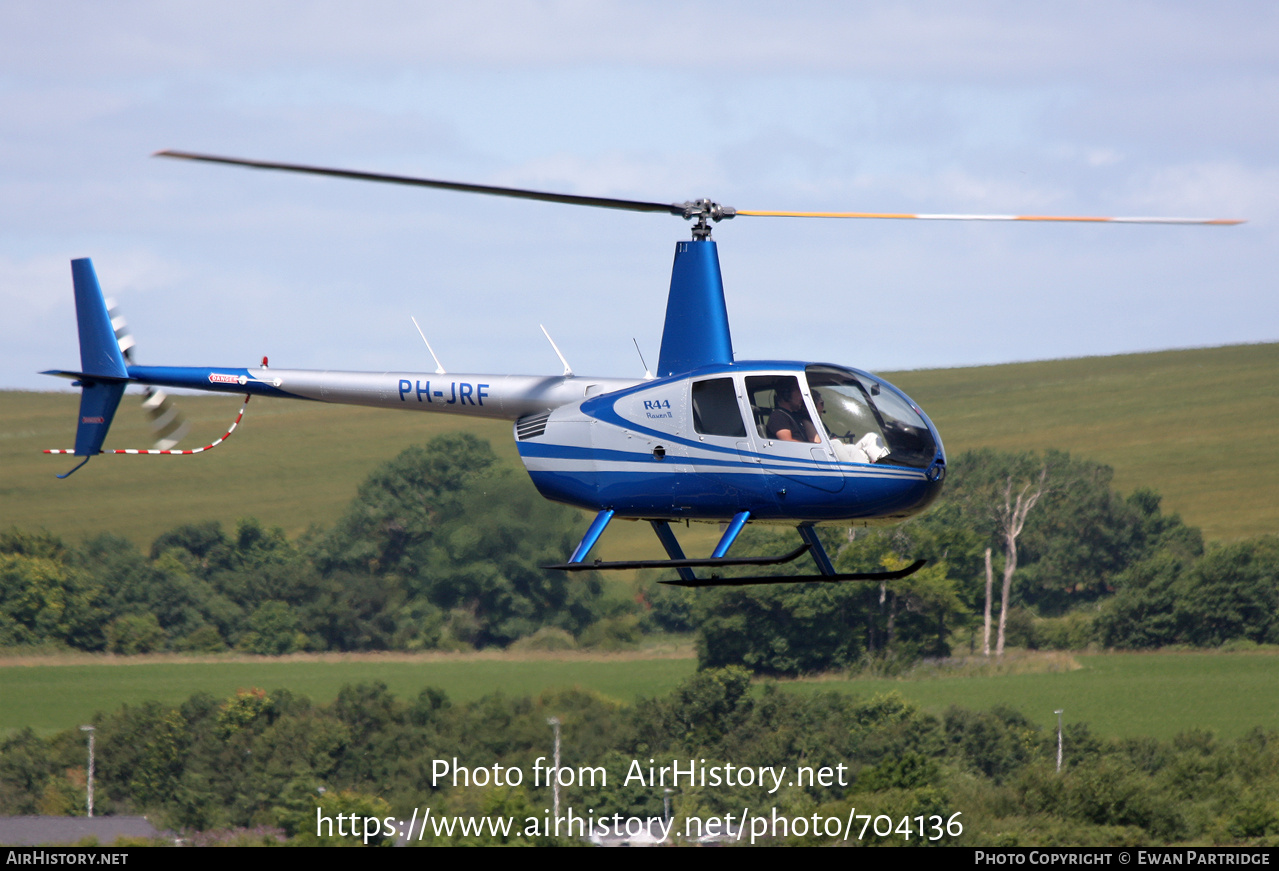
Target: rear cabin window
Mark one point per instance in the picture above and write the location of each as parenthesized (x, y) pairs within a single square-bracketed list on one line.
[(715, 410)]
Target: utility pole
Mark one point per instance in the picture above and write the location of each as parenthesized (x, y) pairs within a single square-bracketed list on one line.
[(555, 777)]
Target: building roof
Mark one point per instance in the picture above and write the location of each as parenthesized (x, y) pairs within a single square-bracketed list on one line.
[(36, 831)]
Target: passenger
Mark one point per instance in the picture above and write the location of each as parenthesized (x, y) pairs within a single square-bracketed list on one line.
[(820, 404)]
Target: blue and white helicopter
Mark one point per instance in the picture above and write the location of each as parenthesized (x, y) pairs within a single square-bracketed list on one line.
[(708, 438)]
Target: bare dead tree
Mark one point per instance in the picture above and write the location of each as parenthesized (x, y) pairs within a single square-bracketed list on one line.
[(990, 581), (1012, 517)]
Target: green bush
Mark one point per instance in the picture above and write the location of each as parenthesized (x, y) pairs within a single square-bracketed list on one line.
[(1071, 631), (135, 633)]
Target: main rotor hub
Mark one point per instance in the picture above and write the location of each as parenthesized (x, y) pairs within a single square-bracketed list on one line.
[(704, 210)]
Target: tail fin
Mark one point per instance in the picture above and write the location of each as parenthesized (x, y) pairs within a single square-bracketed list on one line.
[(103, 375)]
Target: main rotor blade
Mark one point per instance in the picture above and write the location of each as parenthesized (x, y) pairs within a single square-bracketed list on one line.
[(1060, 218), (517, 193), (689, 209)]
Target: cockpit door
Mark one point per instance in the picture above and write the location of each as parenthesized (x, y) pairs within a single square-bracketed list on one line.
[(783, 437)]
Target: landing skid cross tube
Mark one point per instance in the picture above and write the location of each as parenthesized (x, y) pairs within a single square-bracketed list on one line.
[(600, 565)]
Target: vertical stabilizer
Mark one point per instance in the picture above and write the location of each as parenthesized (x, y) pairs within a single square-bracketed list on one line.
[(102, 365), (696, 332), (99, 349)]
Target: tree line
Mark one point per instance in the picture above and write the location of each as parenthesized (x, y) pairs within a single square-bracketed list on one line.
[(256, 766), (441, 549), (1080, 565)]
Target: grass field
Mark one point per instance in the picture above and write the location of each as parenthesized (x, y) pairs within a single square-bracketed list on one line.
[(53, 697), (1192, 424), (1125, 695), (1116, 694)]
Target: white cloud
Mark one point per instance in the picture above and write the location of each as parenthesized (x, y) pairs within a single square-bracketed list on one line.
[(1214, 190)]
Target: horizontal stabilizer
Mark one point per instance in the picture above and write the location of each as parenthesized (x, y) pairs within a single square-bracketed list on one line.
[(82, 376)]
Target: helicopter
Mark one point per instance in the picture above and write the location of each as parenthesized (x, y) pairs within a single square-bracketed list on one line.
[(706, 438)]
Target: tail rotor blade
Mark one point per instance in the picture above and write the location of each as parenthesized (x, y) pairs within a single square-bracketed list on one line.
[(168, 426)]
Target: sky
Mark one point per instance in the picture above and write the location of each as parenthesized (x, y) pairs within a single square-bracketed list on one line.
[(1137, 108)]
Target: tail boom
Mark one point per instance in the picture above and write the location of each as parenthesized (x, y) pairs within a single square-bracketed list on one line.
[(504, 397)]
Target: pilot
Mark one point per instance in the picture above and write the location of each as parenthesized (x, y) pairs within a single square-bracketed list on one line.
[(789, 421)]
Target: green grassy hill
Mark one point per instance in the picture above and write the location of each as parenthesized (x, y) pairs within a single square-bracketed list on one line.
[(1198, 426), (1195, 425)]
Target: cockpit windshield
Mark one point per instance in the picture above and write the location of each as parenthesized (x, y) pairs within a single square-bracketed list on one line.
[(869, 420)]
